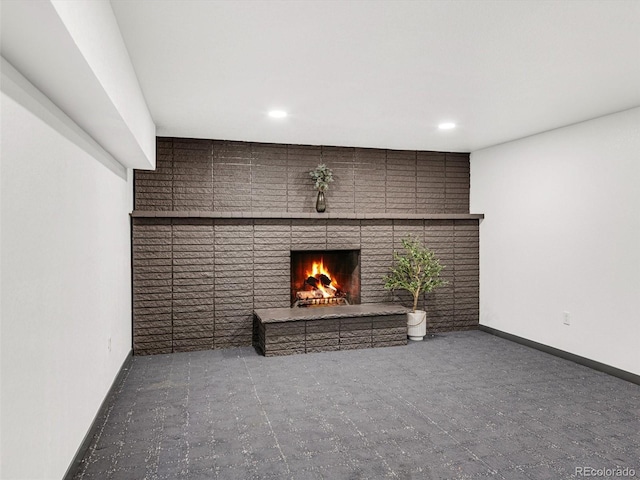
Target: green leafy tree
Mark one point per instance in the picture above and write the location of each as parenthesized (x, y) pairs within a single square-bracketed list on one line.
[(416, 271)]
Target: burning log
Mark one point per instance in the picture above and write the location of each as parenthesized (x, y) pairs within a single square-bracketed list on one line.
[(326, 283), (308, 295), (318, 288), (311, 302)]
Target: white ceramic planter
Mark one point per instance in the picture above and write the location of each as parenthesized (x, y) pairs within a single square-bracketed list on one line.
[(417, 325)]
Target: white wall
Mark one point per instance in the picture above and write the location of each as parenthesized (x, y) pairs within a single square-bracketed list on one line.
[(562, 233), (73, 52), (65, 277)]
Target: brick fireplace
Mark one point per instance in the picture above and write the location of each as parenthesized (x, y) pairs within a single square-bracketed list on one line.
[(218, 221)]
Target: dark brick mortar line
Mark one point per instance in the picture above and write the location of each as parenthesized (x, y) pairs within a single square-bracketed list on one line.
[(447, 311), (392, 175)]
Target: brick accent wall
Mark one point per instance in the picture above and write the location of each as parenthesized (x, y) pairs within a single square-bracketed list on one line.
[(196, 281), (221, 176)]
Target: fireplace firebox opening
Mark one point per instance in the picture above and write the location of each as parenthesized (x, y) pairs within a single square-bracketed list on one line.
[(325, 277)]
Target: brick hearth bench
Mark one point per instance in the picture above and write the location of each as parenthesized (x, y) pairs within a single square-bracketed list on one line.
[(286, 331)]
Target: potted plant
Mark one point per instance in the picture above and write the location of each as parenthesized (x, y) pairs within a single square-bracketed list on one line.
[(322, 175), (417, 271)]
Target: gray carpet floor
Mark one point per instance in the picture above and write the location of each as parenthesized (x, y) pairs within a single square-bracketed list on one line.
[(455, 406)]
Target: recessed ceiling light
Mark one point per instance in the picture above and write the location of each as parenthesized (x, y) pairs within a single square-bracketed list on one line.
[(447, 126), (277, 114)]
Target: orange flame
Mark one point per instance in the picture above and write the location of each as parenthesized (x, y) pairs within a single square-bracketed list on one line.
[(317, 269)]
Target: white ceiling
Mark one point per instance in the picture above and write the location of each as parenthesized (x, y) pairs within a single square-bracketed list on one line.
[(381, 73)]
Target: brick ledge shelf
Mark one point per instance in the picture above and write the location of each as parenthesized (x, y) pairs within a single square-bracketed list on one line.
[(301, 215), (288, 331)]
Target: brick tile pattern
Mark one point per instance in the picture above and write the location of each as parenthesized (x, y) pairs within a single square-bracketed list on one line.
[(244, 177), (231, 176), (457, 183), (271, 247), (466, 264), (193, 276), (234, 283), (268, 178), (192, 175), (401, 182), (431, 181), (152, 287), (301, 159), (341, 194), (369, 180), (376, 256), (439, 304), (349, 333), (153, 190), (197, 281)]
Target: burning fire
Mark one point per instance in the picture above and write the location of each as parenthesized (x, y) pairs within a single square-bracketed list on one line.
[(314, 285), (320, 278)]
